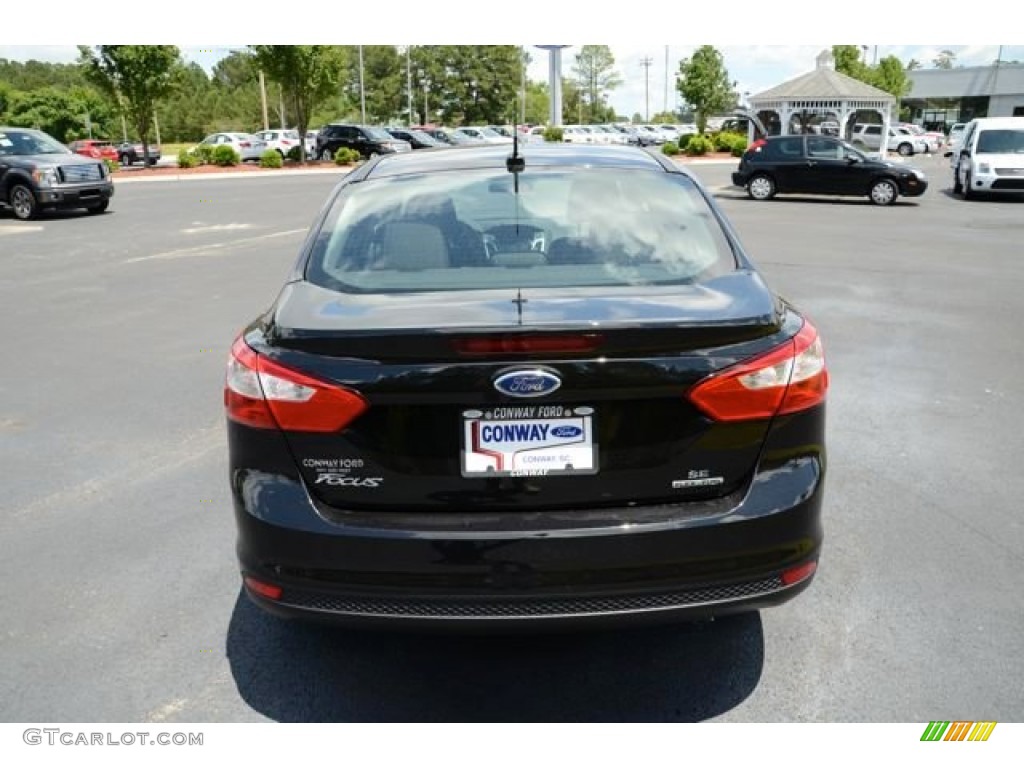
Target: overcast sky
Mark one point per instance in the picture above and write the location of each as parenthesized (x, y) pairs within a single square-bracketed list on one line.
[(741, 31)]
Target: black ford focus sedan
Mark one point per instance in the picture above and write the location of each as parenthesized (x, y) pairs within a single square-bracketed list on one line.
[(538, 386)]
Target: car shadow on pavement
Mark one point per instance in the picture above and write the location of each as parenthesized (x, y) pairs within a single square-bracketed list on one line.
[(731, 193), (292, 671), (982, 197)]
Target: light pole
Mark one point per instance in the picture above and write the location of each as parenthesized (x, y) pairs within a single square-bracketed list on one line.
[(408, 72), (362, 87), (426, 104), (646, 63), (522, 85), (665, 107)]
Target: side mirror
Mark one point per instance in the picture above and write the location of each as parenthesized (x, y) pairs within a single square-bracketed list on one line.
[(852, 160)]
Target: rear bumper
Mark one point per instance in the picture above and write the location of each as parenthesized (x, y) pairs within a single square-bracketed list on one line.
[(682, 561)]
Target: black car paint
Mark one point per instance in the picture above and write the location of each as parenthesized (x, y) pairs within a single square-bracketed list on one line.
[(422, 545), (804, 174)]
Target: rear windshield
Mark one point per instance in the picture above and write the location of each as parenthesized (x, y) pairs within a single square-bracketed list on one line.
[(1001, 142), (473, 230)]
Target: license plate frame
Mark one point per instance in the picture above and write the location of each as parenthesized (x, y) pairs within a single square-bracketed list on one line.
[(528, 441)]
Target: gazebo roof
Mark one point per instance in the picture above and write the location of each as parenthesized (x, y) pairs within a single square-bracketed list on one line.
[(824, 83)]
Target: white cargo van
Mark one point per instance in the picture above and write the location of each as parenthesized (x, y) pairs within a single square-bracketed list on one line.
[(990, 157)]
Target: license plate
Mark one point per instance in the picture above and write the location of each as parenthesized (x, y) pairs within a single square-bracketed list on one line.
[(528, 441)]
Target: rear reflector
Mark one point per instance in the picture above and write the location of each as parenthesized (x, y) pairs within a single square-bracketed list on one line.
[(478, 346), (798, 574), (261, 393), (261, 588), (790, 378)]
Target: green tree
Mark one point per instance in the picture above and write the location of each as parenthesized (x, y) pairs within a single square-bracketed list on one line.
[(572, 102), (188, 114), (234, 87), (891, 77), (538, 103), (704, 83), (913, 64), (384, 79), (944, 60), (137, 77), (595, 71), (307, 73), (848, 62), (6, 96), (467, 83)]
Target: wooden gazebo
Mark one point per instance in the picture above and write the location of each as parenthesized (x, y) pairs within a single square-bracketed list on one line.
[(813, 101)]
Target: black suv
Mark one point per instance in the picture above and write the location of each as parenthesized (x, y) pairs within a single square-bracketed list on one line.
[(37, 172), (367, 140), (822, 165)]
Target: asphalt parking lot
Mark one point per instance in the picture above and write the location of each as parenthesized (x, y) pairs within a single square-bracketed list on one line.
[(121, 597)]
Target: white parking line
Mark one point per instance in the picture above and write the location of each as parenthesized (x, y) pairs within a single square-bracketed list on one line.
[(18, 229), (200, 227), (196, 250)]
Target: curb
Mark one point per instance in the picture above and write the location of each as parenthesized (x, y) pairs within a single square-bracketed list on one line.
[(246, 175)]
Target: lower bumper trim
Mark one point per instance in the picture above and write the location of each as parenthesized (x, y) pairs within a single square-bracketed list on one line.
[(538, 608)]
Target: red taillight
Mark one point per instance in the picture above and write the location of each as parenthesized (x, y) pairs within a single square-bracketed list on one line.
[(261, 588), (799, 573), (261, 393), (757, 145), (244, 144), (521, 345), (790, 378)]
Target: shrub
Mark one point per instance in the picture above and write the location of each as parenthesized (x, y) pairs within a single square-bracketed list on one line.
[(187, 159), (204, 152), (699, 145), (224, 155), (722, 141), (346, 156), (295, 153), (684, 139), (739, 145), (271, 159), (112, 165), (553, 133), (670, 148)]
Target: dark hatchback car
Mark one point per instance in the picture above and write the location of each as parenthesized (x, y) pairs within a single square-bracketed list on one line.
[(493, 394), (367, 140), (38, 172), (822, 165)]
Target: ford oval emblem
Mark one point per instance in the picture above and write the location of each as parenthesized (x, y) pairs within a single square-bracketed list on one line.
[(566, 430), (527, 383)]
